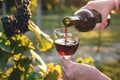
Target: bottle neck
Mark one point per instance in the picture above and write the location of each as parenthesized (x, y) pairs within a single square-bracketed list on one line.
[(71, 20)]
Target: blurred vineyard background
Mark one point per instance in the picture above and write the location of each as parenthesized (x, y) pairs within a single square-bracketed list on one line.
[(103, 46)]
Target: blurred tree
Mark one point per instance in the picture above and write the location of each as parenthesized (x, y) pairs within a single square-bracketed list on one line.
[(78, 3), (60, 2), (10, 5), (47, 5), (4, 7), (33, 6), (38, 13)]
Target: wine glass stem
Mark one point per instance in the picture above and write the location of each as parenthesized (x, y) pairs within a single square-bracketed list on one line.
[(67, 57)]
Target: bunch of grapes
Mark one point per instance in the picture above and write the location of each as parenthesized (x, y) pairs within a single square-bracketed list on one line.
[(17, 23), (23, 15), (10, 25)]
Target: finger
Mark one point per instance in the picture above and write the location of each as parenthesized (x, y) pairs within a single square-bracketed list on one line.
[(65, 62), (104, 20), (97, 27), (102, 25), (64, 77)]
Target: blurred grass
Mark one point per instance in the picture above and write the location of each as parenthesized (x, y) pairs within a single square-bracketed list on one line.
[(51, 21), (111, 69), (108, 36), (115, 20)]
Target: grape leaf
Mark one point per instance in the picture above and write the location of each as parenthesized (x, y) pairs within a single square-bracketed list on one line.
[(20, 44), (4, 56), (44, 41), (4, 43), (15, 75)]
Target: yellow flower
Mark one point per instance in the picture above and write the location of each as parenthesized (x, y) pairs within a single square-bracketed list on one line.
[(51, 67), (17, 57), (7, 42), (9, 71), (58, 69), (21, 68)]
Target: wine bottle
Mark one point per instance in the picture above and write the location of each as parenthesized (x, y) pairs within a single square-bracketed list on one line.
[(84, 20)]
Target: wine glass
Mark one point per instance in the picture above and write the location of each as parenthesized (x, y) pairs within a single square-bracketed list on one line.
[(66, 41)]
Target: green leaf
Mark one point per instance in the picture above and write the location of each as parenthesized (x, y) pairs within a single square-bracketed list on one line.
[(15, 75), (24, 65), (35, 76), (4, 43), (44, 41), (20, 43), (4, 56), (52, 76)]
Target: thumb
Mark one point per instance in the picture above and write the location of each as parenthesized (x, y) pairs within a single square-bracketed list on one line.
[(65, 62), (104, 21)]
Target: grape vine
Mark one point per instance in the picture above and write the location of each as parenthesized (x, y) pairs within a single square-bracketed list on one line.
[(18, 22)]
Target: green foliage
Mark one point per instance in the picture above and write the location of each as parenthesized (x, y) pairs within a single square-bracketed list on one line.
[(44, 41), (4, 51), (54, 72), (12, 50), (35, 76), (4, 43), (4, 56), (20, 44), (21, 69)]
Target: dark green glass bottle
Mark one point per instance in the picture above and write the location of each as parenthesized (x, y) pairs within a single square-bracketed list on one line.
[(84, 20)]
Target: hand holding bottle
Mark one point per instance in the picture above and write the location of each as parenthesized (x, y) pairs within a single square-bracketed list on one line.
[(104, 7), (88, 17), (84, 20)]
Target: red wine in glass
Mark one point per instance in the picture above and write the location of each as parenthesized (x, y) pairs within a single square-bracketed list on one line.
[(66, 41), (66, 47)]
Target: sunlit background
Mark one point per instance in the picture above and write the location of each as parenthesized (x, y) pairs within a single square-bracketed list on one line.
[(102, 46)]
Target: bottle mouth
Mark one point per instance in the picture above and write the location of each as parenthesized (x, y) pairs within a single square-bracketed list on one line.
[(66, 22)]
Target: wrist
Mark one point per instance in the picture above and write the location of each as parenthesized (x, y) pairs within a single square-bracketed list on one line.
[(103, 77), (97, 75)]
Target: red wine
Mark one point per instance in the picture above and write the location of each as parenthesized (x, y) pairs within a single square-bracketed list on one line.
[(66, 34), (66, 47)]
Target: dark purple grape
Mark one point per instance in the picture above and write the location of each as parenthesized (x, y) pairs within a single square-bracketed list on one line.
[(23, 15), (17, 24), (9, 25)]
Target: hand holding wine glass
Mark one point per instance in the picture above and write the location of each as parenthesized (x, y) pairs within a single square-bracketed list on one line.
[(66, 41)]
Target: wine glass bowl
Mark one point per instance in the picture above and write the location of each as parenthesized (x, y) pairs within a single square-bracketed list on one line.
[(66, 41)]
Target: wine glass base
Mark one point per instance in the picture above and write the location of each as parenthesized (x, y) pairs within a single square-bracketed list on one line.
[(66, 57)]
